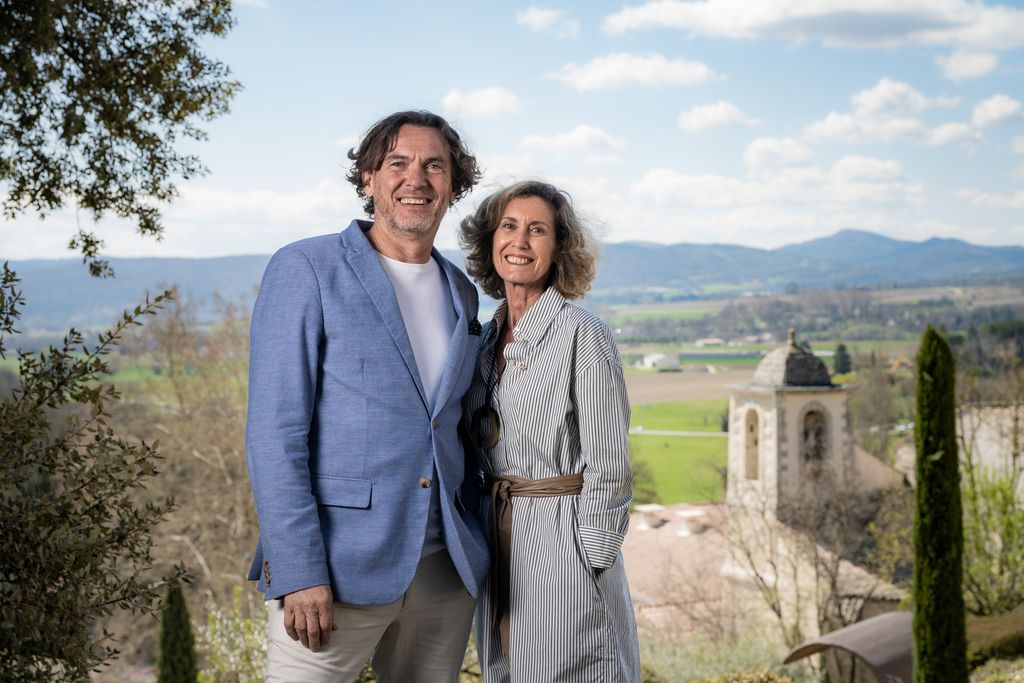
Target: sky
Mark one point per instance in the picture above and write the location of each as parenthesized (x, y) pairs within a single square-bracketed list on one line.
[(714, 121)]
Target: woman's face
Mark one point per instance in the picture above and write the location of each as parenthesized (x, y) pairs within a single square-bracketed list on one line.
[(524, 243)]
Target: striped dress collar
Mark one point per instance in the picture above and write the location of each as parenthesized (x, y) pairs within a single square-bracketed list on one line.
[(534, 325)]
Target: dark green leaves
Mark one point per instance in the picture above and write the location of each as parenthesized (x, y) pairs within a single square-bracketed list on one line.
[(94, 97), (75, 521)]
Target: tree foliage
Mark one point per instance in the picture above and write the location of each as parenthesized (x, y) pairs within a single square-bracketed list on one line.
[(177, 661), (939, 622), (993, 506), (94, 97), (74, 532), (842, 363), (234, 645)]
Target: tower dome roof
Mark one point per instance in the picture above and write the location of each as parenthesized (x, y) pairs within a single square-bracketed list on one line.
[(792, 366)]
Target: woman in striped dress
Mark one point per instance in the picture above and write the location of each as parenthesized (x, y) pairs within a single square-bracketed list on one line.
[(549, 416)]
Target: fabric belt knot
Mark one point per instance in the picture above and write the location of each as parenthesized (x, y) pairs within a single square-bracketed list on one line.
[(502, 490)]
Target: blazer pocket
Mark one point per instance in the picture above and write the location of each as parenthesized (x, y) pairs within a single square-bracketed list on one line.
[(341, 491)]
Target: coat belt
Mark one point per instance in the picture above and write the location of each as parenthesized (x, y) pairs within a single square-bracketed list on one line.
[(502, 490)]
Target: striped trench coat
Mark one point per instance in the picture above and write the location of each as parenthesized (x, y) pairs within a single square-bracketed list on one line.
[(563, 410)]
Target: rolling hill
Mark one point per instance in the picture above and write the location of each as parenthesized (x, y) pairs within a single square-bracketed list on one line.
[(59, 293)]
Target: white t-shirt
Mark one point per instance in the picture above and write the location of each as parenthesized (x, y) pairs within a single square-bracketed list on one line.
[(429, 316), (428, 313)]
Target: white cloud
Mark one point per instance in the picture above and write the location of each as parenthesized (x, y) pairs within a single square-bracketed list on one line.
[(624, 68), (950, 133), (990, 200), (889, 110), (782, 198), (492, 101), (1018, 144), (852, 180), (582, 138), (348, 142), (894, 99), (538, 18), (602, 159), (963, 65), (715, 115), (769, 153), (203, 221), (995, 110), (851, 23), (543, 18), (853, 128)]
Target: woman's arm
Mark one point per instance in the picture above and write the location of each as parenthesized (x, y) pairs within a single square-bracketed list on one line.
[(602, 413)]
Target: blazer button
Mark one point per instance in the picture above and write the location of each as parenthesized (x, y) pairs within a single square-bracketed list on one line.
[(424, 482), (434, 424)]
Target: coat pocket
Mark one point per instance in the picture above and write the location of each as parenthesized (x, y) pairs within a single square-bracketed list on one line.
[(341, 491)]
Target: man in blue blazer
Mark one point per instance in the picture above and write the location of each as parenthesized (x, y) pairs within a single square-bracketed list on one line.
[(362, 346)]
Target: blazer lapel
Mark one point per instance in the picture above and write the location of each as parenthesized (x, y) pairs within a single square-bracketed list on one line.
[(459, 340), (366, 265)]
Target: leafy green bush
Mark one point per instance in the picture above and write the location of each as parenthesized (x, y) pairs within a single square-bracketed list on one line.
[(762, 676), (649, 675), (75, 520), (999, 671), (234, 646), (698, 659)]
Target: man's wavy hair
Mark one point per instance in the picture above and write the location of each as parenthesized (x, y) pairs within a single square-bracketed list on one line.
[(369, 154), (575, 260)]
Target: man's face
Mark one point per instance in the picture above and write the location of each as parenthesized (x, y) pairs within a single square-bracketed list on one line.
[(412, 189)]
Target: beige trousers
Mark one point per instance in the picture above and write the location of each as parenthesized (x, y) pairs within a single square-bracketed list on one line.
[(419, 638)]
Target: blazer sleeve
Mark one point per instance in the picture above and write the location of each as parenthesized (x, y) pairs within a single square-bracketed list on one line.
[(285, 337), (602, 413)]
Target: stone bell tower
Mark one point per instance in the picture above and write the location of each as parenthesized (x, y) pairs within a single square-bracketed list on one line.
[(788, 429)]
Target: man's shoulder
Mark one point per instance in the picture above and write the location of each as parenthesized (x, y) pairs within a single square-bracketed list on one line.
[(329, 245), (313, 246)]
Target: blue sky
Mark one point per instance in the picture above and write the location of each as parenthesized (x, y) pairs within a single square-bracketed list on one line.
[(759, 123)]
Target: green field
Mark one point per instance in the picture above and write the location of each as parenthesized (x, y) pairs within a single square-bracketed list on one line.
[(685, 469), (728, 362), (680, 416), (678, 314)]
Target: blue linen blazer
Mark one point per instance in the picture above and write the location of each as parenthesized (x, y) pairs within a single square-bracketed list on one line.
[(339, 432)]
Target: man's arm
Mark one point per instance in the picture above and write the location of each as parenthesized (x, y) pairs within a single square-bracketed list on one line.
[(309, 616), (285, 336)]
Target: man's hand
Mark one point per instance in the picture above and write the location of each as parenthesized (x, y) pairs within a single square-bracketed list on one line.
[(309, 616)]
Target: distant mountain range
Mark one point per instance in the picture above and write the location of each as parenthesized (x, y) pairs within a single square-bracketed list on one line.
[(59, 293)]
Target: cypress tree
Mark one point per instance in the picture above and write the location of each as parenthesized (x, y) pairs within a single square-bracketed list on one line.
[(940, 649), (177, 662), (842, 364)]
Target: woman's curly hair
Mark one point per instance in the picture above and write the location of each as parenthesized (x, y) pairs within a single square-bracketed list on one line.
[(575, 261), (369, 154)]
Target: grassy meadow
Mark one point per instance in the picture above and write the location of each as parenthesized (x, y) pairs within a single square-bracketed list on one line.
[(697, 415), (685, 469)]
